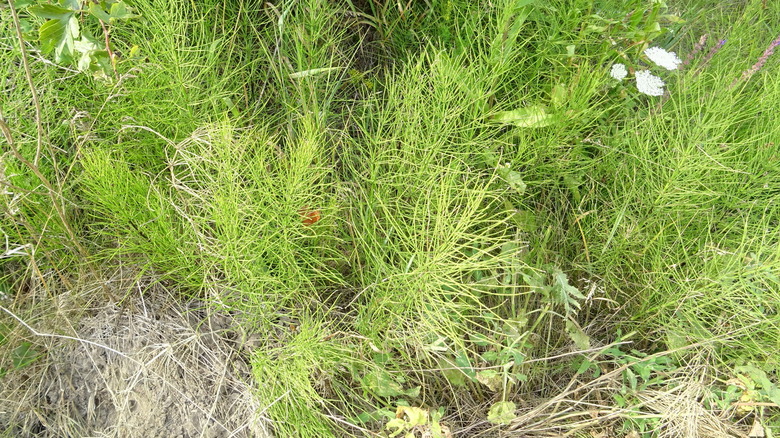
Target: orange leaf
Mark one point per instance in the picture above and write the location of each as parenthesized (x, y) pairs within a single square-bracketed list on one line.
[(310, 217)]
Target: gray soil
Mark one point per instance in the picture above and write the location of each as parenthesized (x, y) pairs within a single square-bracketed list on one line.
[(148, 369)]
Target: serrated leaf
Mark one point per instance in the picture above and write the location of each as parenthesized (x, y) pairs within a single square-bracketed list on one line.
[(534, 116), (564, 293), (489, 356), (502, 413), (60, 34), (414, 416)]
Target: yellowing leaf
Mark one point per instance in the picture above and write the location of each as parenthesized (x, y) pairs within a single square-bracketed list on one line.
[(491, 379), (534, 116), (414, 416), (501, 413)]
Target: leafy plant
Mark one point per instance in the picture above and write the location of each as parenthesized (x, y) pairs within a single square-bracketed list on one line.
[(71, 40), (413, 420), (21, 357), (502, 413)]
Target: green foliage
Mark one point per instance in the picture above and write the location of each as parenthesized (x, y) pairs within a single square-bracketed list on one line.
[(501, 413), (428, 190), (65, 33), (22, 354)]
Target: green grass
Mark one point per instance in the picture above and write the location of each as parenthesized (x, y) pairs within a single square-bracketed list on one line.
[(452, 252)]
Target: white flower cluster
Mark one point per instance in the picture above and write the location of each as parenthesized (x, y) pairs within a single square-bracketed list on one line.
[(646, 82), (649, 83), (667, 60), (618, 71)]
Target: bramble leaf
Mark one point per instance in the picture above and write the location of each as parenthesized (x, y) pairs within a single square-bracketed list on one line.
[(59, 33)]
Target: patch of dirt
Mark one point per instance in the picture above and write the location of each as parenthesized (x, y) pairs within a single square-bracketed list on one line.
[(149, 369)]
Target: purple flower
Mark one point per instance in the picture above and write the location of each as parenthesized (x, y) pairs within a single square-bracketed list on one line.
[(762, 60)]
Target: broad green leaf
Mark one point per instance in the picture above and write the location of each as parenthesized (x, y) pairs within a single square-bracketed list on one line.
[(759, 376), (24, 355), (74, 5), (462, 361), (120, 11), (455, 376), (52, 12), (396, 423), (534, 116), (99, 13), (581, 340), (58, 33), (584, 366), (514, 179), (558, 97), (383, 385), (480, 339), (19, 4), (502, 413), (489, 356), (413, 392)]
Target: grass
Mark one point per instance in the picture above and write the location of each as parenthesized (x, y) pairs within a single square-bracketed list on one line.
[(362, 183)]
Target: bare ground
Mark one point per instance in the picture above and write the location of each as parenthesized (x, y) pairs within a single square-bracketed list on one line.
[(147, 368)]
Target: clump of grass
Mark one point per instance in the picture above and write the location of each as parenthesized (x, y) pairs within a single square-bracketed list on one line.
[(472, 221)]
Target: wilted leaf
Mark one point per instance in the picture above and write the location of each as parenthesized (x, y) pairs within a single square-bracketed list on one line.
[(414, 416), (502, 413), (534, 116), (383, 385), (491, 379)]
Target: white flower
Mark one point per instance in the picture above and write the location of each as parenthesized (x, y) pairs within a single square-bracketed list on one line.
[(667, 60), (618, 71), (649, 84)]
